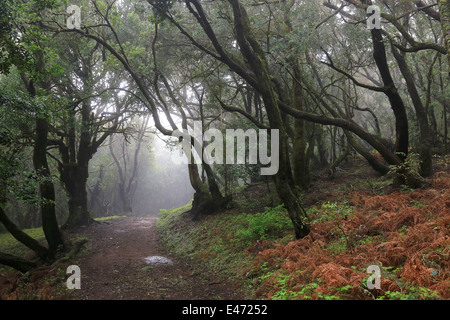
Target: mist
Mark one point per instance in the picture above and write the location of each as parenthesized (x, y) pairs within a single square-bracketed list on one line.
[(121, 184)]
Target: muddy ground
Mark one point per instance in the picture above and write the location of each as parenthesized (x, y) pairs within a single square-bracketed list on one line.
[(115, 267)]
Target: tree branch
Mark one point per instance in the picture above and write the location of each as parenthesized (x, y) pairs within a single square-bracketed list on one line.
[(242, 112), (359, 84)]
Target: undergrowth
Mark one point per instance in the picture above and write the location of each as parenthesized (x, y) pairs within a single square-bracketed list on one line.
[(266, 225), (221, 240), (405, 233), (45, 284)]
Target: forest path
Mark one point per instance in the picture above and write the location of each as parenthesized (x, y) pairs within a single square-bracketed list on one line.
[(114, 268)]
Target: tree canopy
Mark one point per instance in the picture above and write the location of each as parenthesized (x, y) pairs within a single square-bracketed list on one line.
[(82, 107)]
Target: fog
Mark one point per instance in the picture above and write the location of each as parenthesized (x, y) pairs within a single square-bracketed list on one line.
[(156, 183), (164, 185)]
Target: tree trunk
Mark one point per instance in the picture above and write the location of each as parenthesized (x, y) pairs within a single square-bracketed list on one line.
[(321, 149), (125, 199), (219, 200), (444, 10), (46, 188), (75, 181), (396, 102), (16, 262), (202, 202), (332, 168), (94, 203), (425, 133), (300, 162), (254, 54), (74, 169), (25, 239), (123, 188)]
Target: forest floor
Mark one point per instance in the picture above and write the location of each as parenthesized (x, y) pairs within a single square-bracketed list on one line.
[(357, 219), (115, 267)]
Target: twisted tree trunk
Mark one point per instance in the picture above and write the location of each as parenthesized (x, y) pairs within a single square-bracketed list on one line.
[(41, 251), (283, 179)]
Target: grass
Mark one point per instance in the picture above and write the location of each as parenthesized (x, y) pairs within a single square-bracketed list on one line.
[(109, 218), (10, 245)]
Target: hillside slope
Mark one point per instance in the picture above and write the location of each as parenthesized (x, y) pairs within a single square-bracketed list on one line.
[(358, 220)]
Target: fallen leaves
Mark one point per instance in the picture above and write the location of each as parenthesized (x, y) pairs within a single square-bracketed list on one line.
[(408, 232)]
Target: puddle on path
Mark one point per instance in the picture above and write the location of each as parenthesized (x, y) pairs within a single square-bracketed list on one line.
[(158, 261)]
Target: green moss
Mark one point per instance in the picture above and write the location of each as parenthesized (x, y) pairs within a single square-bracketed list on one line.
[(8, 243), (108, 218)]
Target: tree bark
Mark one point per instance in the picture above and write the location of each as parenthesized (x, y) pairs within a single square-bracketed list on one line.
[(16, 262), (75, 182), (82, 140), (46, 188), (74, 165), (396, 102), (255, 56), (300, 161), (41, 251), (425, 133)]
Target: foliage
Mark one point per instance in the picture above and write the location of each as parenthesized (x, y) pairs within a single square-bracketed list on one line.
[(411, 292), (270, 224), (9, 244), (337, 214), (410, 165), (416, 258)]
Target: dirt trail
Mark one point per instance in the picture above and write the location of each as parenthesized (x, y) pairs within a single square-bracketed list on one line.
[(114, 267)]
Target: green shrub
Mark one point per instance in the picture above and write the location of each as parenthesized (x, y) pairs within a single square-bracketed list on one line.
[(338, 214), (411, 292), (269, 224), (333, 211)]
